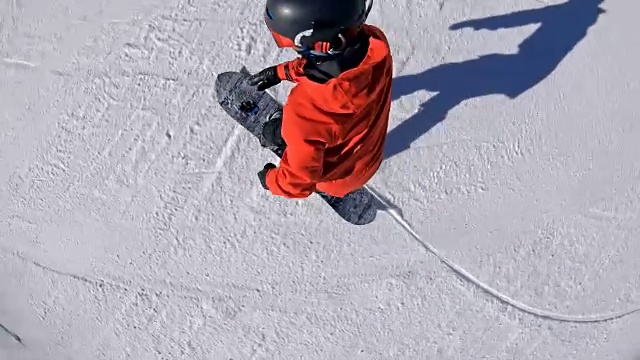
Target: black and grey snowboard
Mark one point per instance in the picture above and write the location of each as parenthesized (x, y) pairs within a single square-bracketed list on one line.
[(250, 108)]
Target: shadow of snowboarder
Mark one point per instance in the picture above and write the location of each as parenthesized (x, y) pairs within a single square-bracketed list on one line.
[(561, 28)]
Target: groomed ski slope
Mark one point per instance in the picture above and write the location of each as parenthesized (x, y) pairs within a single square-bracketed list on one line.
[(132, 224)]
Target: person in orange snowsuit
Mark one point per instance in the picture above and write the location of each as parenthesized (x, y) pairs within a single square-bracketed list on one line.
[(334, 122)]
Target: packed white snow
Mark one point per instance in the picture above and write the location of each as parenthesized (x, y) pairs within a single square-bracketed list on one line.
[(133, 226)]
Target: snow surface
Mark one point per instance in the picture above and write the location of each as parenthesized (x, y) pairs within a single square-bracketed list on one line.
[(133, 225)]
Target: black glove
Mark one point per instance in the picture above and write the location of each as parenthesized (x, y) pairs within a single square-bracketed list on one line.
[(265, 78), (262, 174)]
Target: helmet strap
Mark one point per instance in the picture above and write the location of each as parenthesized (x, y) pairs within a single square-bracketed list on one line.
[(316, 56)]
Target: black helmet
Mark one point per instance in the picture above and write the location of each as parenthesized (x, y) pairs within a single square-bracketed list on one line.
[(315, 26)]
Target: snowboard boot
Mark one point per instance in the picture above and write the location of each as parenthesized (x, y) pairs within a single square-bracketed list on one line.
[(271, 135)]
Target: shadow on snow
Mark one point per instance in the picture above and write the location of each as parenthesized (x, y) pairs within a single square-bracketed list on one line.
[(561, 28)]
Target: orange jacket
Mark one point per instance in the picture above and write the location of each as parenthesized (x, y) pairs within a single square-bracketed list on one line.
[(334, 132)]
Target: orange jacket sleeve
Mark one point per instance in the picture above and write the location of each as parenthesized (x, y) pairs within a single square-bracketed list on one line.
[(291, 70), (301, 167)]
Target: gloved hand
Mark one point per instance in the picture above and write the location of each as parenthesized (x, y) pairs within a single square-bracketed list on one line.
[(265, 79), (262, 174)]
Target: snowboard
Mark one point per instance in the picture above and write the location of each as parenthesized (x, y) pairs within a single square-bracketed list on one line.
[(250, 108)]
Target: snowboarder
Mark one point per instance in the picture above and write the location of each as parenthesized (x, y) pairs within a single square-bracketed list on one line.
[(334, 122)]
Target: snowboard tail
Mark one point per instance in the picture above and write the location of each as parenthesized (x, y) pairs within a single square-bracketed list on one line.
[(250, 108)]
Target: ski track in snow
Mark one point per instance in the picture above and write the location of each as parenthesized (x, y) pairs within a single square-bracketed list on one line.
[(227, 151), (111, 248), (127, 285), (591, 318)]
